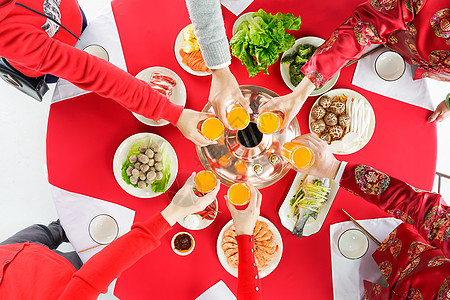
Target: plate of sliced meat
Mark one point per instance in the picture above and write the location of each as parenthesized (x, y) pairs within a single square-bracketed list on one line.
[(165, 82), (268, 247)]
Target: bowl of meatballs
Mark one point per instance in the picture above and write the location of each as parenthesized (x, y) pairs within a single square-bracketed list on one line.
[(145, 165)]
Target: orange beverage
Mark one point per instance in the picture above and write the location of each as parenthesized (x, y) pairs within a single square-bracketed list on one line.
[(205, 181), (298, 155), (239, 194), (269, 122), (238, 117), (212, 128)]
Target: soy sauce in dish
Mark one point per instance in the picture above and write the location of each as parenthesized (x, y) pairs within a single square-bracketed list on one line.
[(183, 242)]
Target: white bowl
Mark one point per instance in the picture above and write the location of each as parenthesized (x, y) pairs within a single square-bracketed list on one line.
[(178, 93), (98, 51), (121, 155), (353, 243), (103, 229), (179, 252), (284, 68), (390, 66), (239, 21)]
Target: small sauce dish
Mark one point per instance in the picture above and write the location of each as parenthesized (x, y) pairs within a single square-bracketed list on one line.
[(183, 243), (390, 66), (103, 229), (353, 243), (98, 51)]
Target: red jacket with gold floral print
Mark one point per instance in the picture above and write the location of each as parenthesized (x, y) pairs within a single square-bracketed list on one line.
[(417, 29), (414, 259)]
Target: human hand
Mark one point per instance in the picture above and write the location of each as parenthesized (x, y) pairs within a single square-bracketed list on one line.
[(441, 113), (224, 91), (185, 202), (187, 124), (325, 164), (290, 104), (245, 220)]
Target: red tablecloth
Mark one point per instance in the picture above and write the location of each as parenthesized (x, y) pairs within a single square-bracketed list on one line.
[(83, 134)]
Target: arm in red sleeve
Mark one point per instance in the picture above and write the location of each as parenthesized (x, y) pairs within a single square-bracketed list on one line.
[(27, 46), (371, 23), (99, 271), (426, 211), (249, 285)]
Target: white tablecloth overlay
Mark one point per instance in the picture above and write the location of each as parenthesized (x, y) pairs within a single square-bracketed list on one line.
[(236, 6), (101, 31), (426, 93), (348, 275), (218, 291), (75, 211)]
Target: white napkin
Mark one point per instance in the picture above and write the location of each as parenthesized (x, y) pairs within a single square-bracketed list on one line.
[(236, 6), (101, 31), (348, 275), (75, 211), (405, 89), (219, 291)]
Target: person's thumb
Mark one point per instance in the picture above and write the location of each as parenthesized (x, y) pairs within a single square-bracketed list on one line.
[(433, 116)]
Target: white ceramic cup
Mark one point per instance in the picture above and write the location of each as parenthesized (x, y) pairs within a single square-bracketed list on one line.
[(98, 51), (353, 243), (390, 66), (103, 229)]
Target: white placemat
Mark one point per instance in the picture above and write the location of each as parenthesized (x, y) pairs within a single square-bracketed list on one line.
[(236, 6), (75, 211), (219, 291), (348, 275), (405, 89), (102, 30)]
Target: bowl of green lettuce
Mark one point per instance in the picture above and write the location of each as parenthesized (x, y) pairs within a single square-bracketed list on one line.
[(293, 60)]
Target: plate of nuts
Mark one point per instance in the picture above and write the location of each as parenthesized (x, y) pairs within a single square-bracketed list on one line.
[(145, 165), (344, 119)]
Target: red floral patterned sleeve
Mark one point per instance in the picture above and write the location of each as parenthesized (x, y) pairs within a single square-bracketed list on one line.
[(371, 23), (425, 211)]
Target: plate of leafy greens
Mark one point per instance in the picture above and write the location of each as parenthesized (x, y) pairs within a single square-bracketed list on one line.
[(145, 165), (293, 59), (259, 38)]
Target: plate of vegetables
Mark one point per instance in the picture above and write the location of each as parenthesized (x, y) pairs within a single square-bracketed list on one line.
[(293, 59), (308, 192), (188, 54), (145, 165), (200, 219), (259, 38)]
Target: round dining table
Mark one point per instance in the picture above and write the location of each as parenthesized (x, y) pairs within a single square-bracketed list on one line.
[(84, 132)]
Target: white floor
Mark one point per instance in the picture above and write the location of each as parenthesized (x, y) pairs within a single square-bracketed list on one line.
[(24, 189)]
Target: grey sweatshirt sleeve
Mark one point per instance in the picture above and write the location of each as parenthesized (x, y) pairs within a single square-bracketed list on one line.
[(206, 16)]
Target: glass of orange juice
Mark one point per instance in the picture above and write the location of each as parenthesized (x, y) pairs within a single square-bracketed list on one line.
[(239, 194), (205, 181), (298, 155), (237, 116), (212, 128), (269, 122)]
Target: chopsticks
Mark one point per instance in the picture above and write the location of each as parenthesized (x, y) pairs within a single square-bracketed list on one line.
[(90, 248), (350, 62), (363, 229)]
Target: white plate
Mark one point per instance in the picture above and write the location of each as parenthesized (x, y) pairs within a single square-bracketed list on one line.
[(264, 272), (121, 155), (203, 222), (312, 225), (368, 118), (178, 44), (178, 93), (284, 68)]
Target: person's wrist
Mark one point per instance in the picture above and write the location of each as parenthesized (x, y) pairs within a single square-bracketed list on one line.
[(172, 213), (334, 168), (244, 231)]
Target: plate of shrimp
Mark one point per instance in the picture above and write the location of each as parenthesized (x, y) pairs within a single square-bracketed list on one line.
[(268, 247)]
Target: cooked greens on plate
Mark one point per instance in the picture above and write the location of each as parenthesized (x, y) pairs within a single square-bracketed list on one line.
[(296, 60), (261, 37)]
